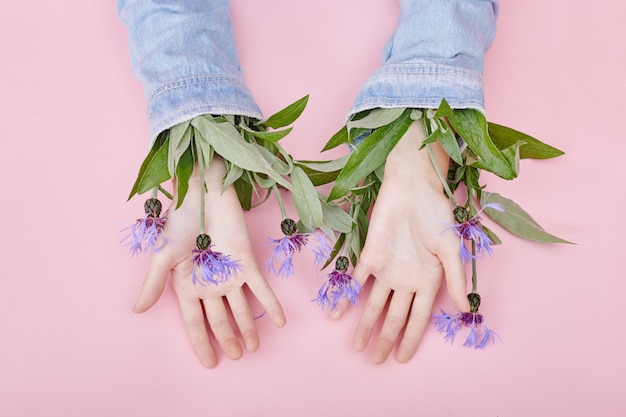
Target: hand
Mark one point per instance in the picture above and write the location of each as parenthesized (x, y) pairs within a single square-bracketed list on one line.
[(409, 246), (226, 226)]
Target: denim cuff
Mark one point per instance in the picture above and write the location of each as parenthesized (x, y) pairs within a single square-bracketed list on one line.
[(420, 85), (185, 98)]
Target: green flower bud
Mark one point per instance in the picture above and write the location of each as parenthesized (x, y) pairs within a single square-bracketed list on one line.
[(288, 227), (153, 207), (342, 263), (460, 214), (474, 301), (203, 241)]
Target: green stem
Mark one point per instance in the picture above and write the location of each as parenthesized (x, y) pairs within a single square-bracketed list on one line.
[(155, 192), (165, 193), (443, 181), (474, 271), (202, 187), (280, 202)]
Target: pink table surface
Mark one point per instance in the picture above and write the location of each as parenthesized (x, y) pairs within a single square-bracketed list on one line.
[(74, 133)]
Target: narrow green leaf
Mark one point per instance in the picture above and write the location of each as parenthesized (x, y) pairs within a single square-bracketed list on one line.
[(336, 249), (471, 125), (325, 166), (375, 119), (244, 193), (451, 146), (337, 218), (233, 174), (516, 220), (273, 161), (160, 141), (444, 109), (180, 138), (338, 138), (262, 181), (155, 172), (184, 168), (305, 199), (286, 116), (273, 136), (504, 137), (369, 155)]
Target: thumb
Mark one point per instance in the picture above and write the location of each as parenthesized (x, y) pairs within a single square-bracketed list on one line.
[(154, 284)]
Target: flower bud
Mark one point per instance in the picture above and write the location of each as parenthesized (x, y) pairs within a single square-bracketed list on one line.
[(342, 263), (460, 214), (152, 206), (474, 301), (288, 227), (203, 241)]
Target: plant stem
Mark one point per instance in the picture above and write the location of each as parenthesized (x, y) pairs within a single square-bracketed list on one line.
[(165, 193), (474, 271), (280, 201), (443, 181), (202, 187)]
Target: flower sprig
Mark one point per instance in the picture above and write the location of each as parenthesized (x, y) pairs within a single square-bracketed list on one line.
[(473, 145), (255, 162)]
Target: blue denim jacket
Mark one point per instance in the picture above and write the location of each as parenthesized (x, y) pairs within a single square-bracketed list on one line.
[(184, 54)]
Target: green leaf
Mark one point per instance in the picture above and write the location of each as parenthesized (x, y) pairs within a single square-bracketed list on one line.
[(504, 137), (305, 199), (471, 125), (273, 161), (244, 193), (180, 138), (153, 170), (375, 119), (274, 136), (227, 142), (369, 155), (451, 146), (338, 138), (444, 109), (338, 245), (184, 168), (516, 220), (158, 143), (286, 116), (337, 218), (233, 174), (495, 240)]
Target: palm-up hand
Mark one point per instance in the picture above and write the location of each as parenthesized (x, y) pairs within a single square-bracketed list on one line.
[(226, 225), (409, 247)]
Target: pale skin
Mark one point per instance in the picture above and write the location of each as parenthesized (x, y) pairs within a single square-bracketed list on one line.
[(409, 249), (226, 225)]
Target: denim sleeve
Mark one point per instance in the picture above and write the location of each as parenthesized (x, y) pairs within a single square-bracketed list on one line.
[(184, 54), (436, 52)]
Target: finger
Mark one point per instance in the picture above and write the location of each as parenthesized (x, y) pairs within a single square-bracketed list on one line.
[(416, 324), (263, 292), (244, 319), (373, 308), (456, 281), (154, 284), (393, 324), (193, 319), (360, 274), (221, 328)]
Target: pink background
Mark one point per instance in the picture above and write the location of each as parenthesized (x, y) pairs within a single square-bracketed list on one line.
[(74, 133)]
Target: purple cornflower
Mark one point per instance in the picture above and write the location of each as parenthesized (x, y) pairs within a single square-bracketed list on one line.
[(339, 285), (470, 229), (214, 267), (286, 247), (450, 323), (144, 234)]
